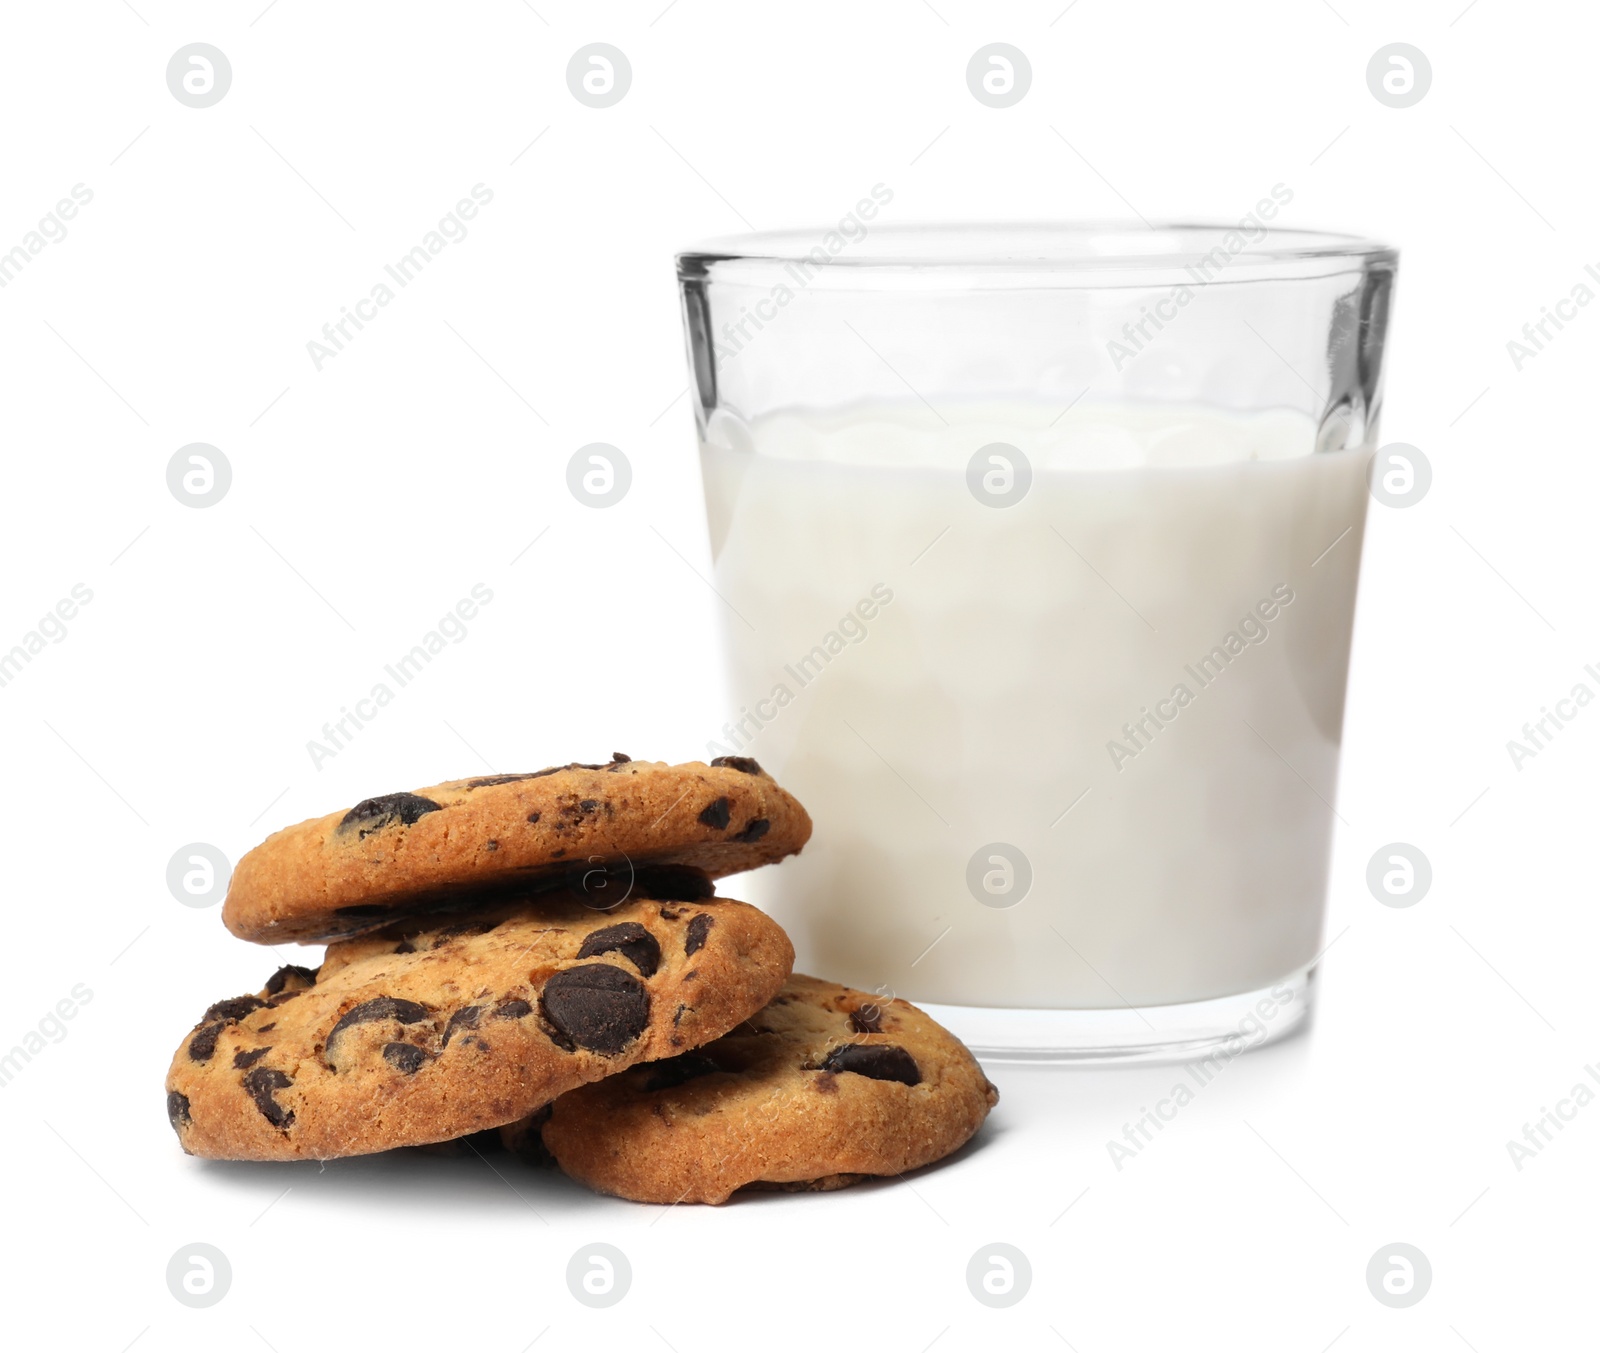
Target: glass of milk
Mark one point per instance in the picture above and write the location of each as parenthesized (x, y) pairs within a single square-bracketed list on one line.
[(1038, 551)]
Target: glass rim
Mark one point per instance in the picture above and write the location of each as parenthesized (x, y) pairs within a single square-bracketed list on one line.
[(855, 255)]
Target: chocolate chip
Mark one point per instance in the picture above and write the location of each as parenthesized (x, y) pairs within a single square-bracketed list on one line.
[(273, 1002), (631, 940), (866, 1019), (203, 1046), (599, 1006), (372, 815), (754, 830), (406, 1057), (677, 1016), (512, 1009), (248, 1057), (588, 805), (619, 759), (267, 1028), (382, 1007), (491, 845), (673, 883), (260, 1084), (880, 1061), (716, 814), (676, 1070), (488, 780), (534, 816), (177, 1110), (234, 1008), (279, 979), (464, 1018), (699, 927), (748, 764)]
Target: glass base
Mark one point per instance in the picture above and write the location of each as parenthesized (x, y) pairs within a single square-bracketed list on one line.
[(1191, 1031)]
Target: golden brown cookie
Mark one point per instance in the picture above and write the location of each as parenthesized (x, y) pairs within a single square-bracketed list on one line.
[(419, 1034), (352, 871), (821, 1089)]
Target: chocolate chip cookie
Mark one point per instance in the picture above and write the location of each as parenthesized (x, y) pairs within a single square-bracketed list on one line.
[(824, 1087), (578, 825), (420, 1033)]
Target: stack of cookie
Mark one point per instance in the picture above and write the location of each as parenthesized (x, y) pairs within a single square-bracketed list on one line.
[(540, 961)]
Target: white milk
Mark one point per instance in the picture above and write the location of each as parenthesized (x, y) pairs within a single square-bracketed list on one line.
[(1135, 677)]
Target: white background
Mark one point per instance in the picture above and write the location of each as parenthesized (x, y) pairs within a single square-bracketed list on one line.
[(370, 496)]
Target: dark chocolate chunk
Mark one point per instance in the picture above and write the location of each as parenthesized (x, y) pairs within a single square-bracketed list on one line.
[(588, 805), (267, 1028), (234, 1008), (488, 780), (279, 979), (673, 882), (464, 1018), (203, 1046), (535, 816), (177, 1110), (676, 1070), (754, 830), (247, 1057), (866, 1019), (619, 759), (715, 814), (748, 764), (880, 1061), (260, 1084), (406, 1057), (382, 1007), (599, 1006), (512, 1009), (699, 927), (631, 940), (372, 815)]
